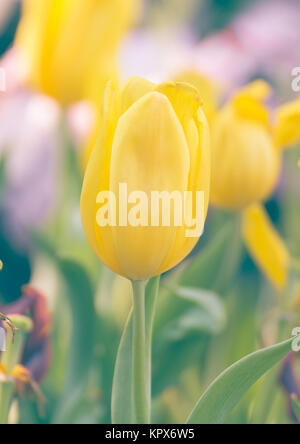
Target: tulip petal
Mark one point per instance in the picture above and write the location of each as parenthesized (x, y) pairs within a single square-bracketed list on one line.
[(186, 101), (248, 108), (149, 153), (287, 131), (96, 179), (265, 245), (134, 89), (248, 102), (258, 90), (209, 90)]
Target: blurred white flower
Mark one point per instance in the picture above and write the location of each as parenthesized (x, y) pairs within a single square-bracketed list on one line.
[(28, 128), (154, 54)]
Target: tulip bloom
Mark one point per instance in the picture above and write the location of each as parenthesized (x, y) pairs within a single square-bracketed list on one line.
[(153, 138), (70, 46), (246, 161)]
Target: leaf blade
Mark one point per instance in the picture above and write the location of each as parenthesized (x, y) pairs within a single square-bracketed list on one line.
[(229, 388), (81, 301)]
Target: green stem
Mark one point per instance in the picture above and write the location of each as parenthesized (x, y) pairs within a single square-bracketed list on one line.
[(139, 356)]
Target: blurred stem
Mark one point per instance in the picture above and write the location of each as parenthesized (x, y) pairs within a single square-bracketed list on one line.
[(139, 356), (10, 359), (233, 255), (152, 290), (295, 265)]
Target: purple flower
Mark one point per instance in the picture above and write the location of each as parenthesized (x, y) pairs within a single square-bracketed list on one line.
[(37, 352)]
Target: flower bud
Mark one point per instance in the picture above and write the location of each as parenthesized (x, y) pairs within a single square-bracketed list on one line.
[(153, 139)]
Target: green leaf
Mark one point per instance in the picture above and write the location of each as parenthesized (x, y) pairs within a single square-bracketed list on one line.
[(229, 388), (80, 294), (197, 311), (208, 301), (122, 406), (2, 174), (296, 406), (185, 318), (214, 266)]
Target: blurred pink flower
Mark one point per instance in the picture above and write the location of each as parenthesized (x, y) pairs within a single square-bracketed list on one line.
[(264, 39), (222, 58), (269, 31), (15, 72), (80, 117)]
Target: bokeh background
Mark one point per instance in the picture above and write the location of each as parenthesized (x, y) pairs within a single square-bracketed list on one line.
[(79, 308)]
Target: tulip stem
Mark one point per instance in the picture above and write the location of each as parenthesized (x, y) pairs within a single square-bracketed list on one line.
[(139, 366)]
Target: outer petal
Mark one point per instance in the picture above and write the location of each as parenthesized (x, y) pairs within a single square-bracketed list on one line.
[(134, 89), (186, 101), (250, 109), (265, 245), (258, 90), (287, 131), (150, 153), (208, 90), (96, 179)]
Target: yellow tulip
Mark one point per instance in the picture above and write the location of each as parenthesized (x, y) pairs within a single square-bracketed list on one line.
[(153, 137), (70, 45), (247, 146), (246, 161)]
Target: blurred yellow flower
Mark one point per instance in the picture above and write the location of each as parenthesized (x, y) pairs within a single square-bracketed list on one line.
[(246, 161), (70, 45), (152, 138), (247, 146)]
